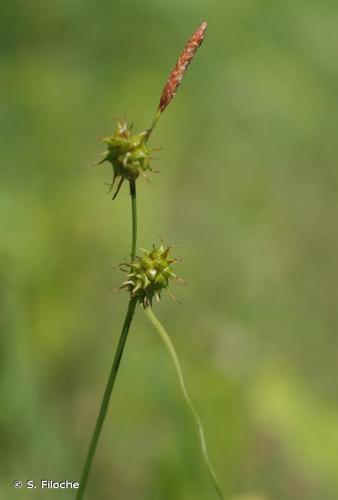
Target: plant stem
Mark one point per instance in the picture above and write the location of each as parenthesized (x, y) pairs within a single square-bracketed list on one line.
[(134, 219), (106, 398), (171, 349), (153, 125), (116, 362)]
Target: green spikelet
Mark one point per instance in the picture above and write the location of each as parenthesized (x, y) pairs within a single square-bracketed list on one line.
[(128, 154), (149, 275)]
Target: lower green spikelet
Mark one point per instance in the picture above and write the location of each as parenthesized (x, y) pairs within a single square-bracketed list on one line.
[(128, 154), (150, 274)]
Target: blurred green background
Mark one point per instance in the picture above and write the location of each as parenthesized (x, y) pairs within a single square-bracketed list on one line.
[(248, 195)]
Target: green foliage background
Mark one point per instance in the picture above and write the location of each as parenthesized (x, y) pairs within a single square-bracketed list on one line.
[(247, 192)]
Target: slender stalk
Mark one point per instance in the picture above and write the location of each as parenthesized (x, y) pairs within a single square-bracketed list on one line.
[(106, 398), (171, 349), (116, 362), (153, 125), (134, 219)]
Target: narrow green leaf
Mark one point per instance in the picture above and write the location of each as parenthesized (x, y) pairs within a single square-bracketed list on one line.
[(171, 349)]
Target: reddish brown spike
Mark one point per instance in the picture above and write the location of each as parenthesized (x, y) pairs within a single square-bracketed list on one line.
[(181, 66)]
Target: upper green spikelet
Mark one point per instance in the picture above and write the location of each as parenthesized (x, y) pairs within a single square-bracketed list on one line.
[(128, 154), (150, 274)]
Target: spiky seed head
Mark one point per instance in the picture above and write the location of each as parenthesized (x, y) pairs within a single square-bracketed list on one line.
[(128, 154), (150, 274), (181, 66)]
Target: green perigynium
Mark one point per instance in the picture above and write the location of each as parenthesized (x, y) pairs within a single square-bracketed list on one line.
[(150, 274), (128, 154)]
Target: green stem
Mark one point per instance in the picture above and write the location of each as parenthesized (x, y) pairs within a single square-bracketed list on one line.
[(153, 125), (134, 218), (171, 349), (116, 362), (106, 398)]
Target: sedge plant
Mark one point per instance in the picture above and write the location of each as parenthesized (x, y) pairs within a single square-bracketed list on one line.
[(148, 275)]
